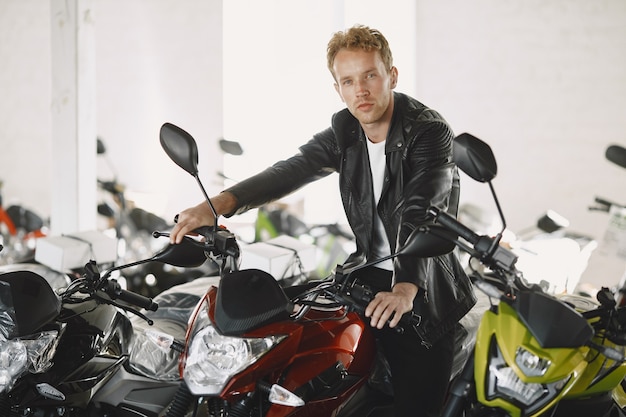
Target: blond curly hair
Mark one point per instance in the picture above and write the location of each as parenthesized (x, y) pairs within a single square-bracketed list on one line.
[(358, 37)]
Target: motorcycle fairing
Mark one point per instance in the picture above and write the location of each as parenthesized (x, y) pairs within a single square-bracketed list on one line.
[(247, 300), (91, 350), (503, 328), (247, 379), (343, 369), (552, 323), (601, 374), (80, 386), (307, 349), (318, 352), (33, 301)]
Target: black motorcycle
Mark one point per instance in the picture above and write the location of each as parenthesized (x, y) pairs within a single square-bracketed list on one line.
[(87, 347)]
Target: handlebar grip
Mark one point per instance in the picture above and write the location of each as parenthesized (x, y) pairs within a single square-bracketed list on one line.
[(361, 295), (602, 201), (607, 203), (137, 299), (202, 230), (455, 226)]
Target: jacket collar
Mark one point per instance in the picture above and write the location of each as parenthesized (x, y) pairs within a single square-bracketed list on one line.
[(348, 130)]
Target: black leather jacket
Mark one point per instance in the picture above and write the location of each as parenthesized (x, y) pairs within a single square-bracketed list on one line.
[(419, 174)]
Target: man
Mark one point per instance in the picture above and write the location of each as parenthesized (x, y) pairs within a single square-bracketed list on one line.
[(393, 156)]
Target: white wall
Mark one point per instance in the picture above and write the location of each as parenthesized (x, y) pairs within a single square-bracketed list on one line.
[(25, 128), (278, 90), (159, 61), (156, 62), (542, 81)]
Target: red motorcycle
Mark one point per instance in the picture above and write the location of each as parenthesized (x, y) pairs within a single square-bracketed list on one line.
[(19, 228), (254, 348)]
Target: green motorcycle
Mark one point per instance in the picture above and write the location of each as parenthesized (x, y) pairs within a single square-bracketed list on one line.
[(536, 354)]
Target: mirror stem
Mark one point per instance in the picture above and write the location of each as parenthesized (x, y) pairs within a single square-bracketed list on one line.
[(208, 200), (109, 271), (498, 237), (370, 263)]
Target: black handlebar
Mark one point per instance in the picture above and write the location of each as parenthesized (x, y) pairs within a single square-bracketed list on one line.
[(96, 286), (363, 294), (114, 291), (355, 296), (454, 226), (490, 252), (220, 240), (604, 205)]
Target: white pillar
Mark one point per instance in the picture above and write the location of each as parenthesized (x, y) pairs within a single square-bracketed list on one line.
[(73, 113)]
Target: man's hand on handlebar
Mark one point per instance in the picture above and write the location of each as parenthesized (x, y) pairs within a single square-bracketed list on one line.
[(190, 219), (200, 215), (390, 306)]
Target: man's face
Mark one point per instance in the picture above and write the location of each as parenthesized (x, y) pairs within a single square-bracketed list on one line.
[(365, 85)]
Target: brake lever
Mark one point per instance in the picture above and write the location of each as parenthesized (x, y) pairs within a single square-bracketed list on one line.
[(199, 243)]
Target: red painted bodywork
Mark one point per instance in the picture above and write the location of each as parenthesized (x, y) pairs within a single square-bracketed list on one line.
[(313, 344)]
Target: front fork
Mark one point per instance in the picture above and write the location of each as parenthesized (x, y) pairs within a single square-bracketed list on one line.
[(185, 402), (460, 390)]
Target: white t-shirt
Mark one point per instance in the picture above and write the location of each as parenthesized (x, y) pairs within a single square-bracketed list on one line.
[(381, 248)]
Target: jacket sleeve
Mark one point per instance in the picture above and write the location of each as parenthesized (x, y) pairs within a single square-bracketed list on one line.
[(431, 180), (315, 160)]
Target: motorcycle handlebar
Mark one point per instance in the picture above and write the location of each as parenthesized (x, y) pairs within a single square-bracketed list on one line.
[(453, 225), (359, 296), (138, 300), (114, 291), (605, 205), (221, 240), (489, 250)]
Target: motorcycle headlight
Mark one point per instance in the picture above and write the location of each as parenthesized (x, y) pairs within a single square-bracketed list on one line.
[(41, 349), (531, 364), (13, 362), (212, 358), (504, 383), (32, 354)]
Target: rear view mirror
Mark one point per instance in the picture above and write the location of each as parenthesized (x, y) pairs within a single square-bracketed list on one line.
[(474, 157), (617, 155), (181, 147), (230, 147)]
